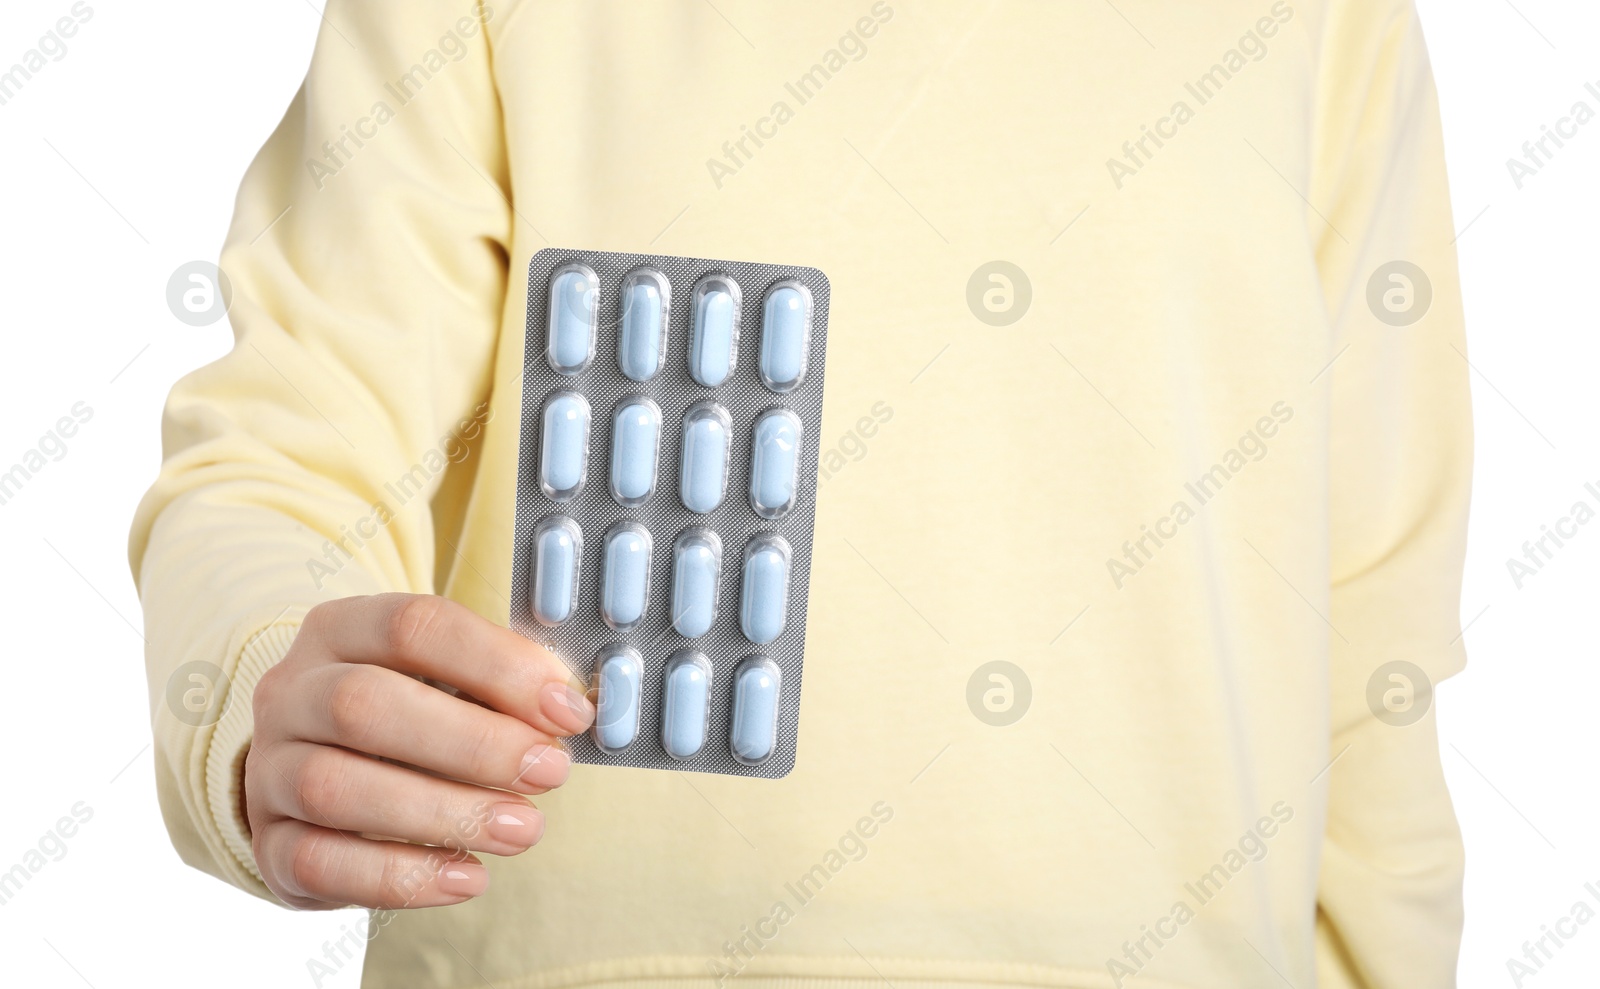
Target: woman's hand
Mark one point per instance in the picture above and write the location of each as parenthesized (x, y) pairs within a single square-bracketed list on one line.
[(346, 692)]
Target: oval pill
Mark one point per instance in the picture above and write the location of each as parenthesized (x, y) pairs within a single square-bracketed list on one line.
[(785, 336), (625, 575), (635, 440), (755, 709), (574, 295), (764, 597), (696, 567), (714, 330), (645, 302), (557, 544), (774, 463), (619, 675), (684, 704), (703, 465), (564, 445)]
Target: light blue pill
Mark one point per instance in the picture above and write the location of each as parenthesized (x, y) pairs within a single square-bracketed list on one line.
[(755, 710), (564, 445), (713, 332), (785, 334), (703, 466), (573, 295), (625, 578), (635, 439), (764, 598), (774, 463), (618, 677), (696, 565), (643, 326), (557, 543), (684, 704)]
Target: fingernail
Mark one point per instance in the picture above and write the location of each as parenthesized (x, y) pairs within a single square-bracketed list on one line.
[(463, 879), (516, 824), (567, 708), (546, 766)]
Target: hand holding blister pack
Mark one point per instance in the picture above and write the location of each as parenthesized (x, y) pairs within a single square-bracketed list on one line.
[(671, 410)]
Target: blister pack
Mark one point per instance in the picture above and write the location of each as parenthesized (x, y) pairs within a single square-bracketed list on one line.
[(666, 483)]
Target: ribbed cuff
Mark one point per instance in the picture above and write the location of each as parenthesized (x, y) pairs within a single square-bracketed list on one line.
[(230, 743)]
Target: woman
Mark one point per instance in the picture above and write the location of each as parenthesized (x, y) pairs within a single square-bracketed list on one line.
[(1144, 380)]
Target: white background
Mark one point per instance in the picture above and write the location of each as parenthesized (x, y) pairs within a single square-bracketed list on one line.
[(121, 161)]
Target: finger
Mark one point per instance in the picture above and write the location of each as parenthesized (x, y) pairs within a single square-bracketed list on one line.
[(335, 788), (425, 635), (310, 867), (384, 713)]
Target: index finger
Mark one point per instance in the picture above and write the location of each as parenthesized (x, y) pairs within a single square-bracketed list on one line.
[(426, 635)]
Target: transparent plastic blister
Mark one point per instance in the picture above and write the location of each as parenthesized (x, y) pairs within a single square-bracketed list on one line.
[(617, 685), (557, 553), (566, 419), (635, 450), (570, 326), (785, 335), (757, 685), (775, 463), (696, 581), (646, 304), (685, 704), (764, 591), (713, 350), (703, 458), (666, 499), (625, 575)]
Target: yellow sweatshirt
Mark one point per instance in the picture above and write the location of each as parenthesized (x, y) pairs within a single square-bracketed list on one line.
[(1194, 461)]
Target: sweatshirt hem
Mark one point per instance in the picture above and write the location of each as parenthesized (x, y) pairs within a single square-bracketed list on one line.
[(798, 972)]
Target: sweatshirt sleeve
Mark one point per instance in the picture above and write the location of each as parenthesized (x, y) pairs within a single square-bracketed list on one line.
[(368, 263), (1389, 899)]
